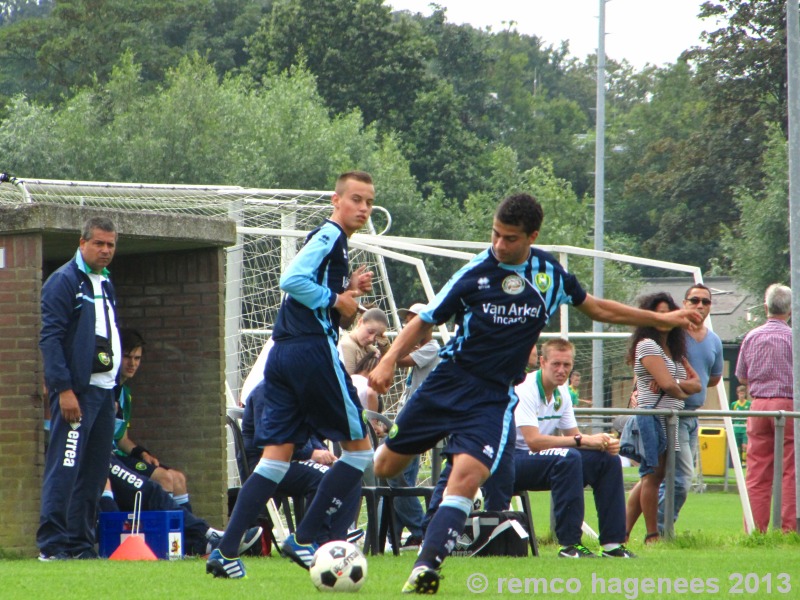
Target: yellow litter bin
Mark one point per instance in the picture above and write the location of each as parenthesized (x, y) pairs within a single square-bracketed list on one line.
[(712, 442)]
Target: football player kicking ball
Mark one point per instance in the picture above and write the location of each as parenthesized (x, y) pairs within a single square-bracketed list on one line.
[(501, 301)]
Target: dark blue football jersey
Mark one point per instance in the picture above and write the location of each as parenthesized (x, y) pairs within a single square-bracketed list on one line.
[(500, 310), (318, 273)]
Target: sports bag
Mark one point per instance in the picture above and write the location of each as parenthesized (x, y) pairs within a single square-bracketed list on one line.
[(493, 533)]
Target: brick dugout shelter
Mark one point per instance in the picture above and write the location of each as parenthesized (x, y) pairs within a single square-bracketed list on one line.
[(169, 275)]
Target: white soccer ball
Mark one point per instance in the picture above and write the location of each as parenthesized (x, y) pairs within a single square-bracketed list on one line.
[(338, 567)]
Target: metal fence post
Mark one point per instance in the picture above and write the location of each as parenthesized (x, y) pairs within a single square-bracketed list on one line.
[(669, 478), (777, 477)]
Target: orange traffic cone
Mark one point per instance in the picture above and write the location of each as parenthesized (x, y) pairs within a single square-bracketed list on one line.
[(133, 548)]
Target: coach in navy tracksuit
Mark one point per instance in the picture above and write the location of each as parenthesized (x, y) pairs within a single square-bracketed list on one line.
[(82, 353)]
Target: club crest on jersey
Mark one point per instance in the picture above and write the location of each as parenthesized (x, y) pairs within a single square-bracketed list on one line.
[(543, 281), (141, 466), (513, 284)]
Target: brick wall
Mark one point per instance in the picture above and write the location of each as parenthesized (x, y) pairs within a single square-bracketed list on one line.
[(175, 300), (21, 404)]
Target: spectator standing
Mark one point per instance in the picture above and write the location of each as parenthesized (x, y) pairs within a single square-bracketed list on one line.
[(704, 353), (664, 379), (765, 367), (81, 350)]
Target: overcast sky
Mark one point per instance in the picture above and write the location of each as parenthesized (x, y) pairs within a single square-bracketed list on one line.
[(641, 31)]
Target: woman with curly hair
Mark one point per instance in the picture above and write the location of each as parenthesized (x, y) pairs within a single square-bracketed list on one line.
[(664, 379)]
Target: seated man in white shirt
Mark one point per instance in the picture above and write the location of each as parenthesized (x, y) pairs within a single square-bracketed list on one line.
[(564, 464)]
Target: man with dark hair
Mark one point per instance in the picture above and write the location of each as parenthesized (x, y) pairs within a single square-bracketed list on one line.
[(307, 389), (704, 351), (129, 453), (765, 367), (81, 350), (501, 301)]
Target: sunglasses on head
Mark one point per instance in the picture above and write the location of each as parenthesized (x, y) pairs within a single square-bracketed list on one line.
[(696, 300)]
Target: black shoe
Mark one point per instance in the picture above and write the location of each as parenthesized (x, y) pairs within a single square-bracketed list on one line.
[(619, 552), (575, 551)]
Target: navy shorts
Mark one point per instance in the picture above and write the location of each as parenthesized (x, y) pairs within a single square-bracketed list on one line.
[(477, 415), (308, 391)]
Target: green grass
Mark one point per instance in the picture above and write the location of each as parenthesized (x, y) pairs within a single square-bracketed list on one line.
[(711, 548)]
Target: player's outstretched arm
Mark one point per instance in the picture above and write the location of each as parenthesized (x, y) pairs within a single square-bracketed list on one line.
[(609, 311)]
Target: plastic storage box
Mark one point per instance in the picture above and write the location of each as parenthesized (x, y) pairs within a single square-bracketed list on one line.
[(162, 530)]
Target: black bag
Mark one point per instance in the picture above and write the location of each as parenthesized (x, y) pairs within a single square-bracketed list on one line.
[(103, 358), (493, 533)]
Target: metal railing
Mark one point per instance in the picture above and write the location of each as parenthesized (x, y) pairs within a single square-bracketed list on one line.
[(672, 416)]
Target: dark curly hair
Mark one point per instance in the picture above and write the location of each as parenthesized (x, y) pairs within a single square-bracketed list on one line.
[(676, 338), (521, 210)]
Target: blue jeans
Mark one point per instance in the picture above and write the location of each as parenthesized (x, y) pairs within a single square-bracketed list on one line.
[(408, 509), (684, 467)]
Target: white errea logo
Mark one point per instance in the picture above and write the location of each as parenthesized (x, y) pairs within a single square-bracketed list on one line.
[(71, 448)]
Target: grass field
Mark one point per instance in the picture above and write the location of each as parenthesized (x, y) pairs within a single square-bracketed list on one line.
[(711, 557)]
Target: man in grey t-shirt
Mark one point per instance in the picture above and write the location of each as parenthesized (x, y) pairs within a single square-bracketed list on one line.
[(704, 350)]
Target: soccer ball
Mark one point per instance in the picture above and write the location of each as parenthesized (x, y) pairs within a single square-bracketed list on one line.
[(338, 567)]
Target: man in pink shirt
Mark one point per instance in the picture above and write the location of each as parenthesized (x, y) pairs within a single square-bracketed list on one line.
[(765, 367)]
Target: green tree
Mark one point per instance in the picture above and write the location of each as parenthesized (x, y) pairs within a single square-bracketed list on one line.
[(744, 62), (758, 246), (198, 130), (79, 41), (361, 56)]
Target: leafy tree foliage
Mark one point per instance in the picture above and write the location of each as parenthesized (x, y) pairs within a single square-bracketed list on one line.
[(196, 129), (289, 92), (79, 41), (361, 56), (759, 244)]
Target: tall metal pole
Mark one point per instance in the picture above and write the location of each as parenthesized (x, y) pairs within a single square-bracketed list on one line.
[(793, 67), (599, 204)]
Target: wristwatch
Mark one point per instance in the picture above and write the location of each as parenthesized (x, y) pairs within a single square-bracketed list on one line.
[(578, 439)]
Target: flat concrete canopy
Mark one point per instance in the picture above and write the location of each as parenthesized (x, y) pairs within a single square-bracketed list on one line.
[(141, 232)]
